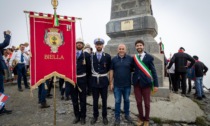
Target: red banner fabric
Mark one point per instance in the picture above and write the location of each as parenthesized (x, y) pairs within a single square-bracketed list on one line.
[(52, 49)]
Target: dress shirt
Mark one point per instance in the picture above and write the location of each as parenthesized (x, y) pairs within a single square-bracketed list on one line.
[(79, 51), (142, 56), (17, 56)]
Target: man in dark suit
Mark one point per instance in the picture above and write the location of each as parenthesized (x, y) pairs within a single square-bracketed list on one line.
[(100, 66), (144, 79), (83, 72), (3, 66), (180, 60)]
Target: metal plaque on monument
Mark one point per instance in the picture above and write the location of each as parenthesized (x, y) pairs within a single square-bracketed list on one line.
[(132, 20)]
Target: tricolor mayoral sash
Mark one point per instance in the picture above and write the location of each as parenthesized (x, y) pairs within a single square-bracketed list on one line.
[(53, 49), (143, 68)]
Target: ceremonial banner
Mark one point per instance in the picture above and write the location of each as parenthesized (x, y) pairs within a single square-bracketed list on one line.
[(52, 48)]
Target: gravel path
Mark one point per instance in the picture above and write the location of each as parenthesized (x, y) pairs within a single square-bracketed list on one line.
[(27, 112)]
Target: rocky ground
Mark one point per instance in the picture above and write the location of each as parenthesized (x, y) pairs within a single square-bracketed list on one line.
[(27, 112)]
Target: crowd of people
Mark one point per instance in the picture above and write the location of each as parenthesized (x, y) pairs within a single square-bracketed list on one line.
[(97, 71), (181, 67), (14, 63)]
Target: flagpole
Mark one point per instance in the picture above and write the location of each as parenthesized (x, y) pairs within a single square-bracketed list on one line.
[(54, 99), (54, 4)]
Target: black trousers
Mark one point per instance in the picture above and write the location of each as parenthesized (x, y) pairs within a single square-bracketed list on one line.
[(172, 81), (182, 76), (61, 82), (50, 85), (103, 92), (189, 85), (76, 95), (89, 87)]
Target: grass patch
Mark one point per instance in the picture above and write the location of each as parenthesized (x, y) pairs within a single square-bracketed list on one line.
[(198, 103), (200, 121), (156, 120)]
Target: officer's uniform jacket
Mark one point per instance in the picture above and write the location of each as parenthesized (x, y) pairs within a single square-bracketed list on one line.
[(100, 70)]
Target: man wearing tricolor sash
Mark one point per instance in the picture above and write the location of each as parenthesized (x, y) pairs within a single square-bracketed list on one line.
[(144, 81)]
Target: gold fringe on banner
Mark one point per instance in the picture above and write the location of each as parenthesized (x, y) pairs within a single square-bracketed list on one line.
[(50, 76)]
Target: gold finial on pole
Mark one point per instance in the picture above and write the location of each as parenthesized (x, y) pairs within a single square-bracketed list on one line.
[(54, 4), (55, 18)]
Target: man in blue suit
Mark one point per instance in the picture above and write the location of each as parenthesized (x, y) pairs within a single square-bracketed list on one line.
[(144, 79), (3, 66)]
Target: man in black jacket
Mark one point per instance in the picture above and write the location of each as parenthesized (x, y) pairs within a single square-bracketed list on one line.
[(83, 72), (2, 67), (200, 70), (180, 59)]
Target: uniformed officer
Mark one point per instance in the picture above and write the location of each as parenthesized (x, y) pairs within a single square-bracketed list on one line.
[(83, 71), (100, 66)]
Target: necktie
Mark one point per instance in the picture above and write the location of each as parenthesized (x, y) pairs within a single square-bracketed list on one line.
[(21, 58), (98, 57), (77, 54), (139, 56)]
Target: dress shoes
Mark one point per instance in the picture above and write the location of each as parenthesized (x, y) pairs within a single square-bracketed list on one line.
[(139, 122), (44, 105), (20, 89), (199, 98), (105, 121), (48, 96), (93, 121), (129, 120), (27, 87), (203, 96), (146, 123), (76, 120), (82, 121), (5, 111), (117, 122)]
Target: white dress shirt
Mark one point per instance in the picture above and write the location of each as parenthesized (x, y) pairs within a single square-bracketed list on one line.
[(17, 56), (172, 69), (142, 55)]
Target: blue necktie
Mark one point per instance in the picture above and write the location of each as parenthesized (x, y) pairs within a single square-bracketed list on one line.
[(21, 59), (98, 57), (77, 54)]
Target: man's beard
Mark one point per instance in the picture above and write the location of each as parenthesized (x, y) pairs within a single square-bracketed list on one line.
[(79, 48), (99, 49), (140, 50)]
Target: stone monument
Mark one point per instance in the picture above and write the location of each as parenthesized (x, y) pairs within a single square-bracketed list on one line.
[(132, 20)]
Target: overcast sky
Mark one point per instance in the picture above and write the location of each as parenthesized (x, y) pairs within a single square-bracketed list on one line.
[(180, 22)]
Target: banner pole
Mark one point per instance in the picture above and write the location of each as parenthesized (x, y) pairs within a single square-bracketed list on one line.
[(54, 96)]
